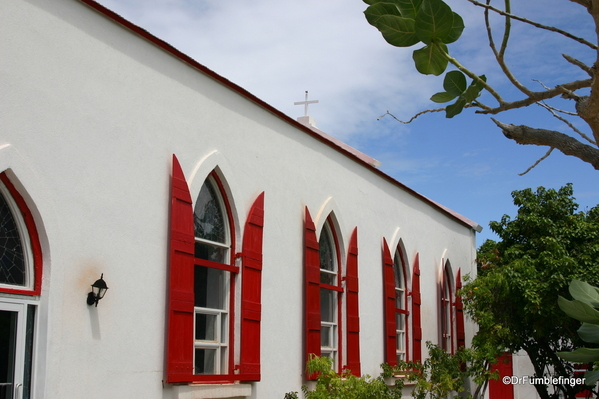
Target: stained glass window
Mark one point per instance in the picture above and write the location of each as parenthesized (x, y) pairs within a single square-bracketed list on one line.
[(208, 215), (328, 257), (12, 255)]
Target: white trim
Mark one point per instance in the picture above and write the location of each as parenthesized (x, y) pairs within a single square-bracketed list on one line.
[(211, 391)]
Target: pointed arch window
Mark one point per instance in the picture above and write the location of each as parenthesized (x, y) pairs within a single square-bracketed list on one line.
[(20, 250), (212, 281), (447, 322), (329, 293), (327, 333), (203, 272), (401, 307)]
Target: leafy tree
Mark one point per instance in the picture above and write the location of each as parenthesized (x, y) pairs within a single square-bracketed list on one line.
[(432, 25), (513, 298)]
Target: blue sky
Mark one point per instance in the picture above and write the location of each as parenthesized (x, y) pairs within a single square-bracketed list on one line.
[(278, 49)]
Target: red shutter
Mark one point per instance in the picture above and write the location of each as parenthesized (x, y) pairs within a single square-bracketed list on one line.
[(251, 292), (459, 312), (312, 289), (389, 298), (416, 321), (353, 311), (498, 389), (179, 367)]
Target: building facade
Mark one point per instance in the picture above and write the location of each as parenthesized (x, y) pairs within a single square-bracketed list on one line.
[(234, 240)]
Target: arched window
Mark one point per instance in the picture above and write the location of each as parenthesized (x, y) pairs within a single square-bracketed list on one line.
[(446, 310), (20, 250), (329, 292), (212, 280), (324, 296), (203, 272), (20, 273), (401, 306)]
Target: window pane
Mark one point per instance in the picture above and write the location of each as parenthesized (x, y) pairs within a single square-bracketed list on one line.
[(205, 361), (400, 320), (8, 329), (398, 271), (327, 250), (328, 278), (400, 297), (206, 327), (12, 261), (327, 305), (208, 215), (325, 337), (211, 252), (210, 290)]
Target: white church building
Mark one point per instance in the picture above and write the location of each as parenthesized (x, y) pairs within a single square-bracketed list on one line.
[(233, 239)]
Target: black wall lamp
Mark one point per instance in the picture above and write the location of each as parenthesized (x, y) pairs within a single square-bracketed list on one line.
[(98, 290)]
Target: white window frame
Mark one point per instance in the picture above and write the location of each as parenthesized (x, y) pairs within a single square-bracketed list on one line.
[(331, 351), (400, 292), (222, 344)]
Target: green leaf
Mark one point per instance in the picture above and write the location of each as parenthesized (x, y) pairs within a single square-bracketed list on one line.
[(584, 292), (591, 377), (454, 83), (456, 29), (455, 108), (408, 8), (582, 355), (378, 10), (397, 30), (474, 90), (434, 22), (442, 97), (578, 310), (589, 333), (430, 60)]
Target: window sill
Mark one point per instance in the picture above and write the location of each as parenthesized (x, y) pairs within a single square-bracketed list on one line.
[(405, 376), (204, 391)]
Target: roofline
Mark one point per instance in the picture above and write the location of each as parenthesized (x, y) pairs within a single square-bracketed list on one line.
[(322, 138)]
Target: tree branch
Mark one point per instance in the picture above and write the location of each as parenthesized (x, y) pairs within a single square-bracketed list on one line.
[(566, 144), (539, 96), (538, 162), (567, 122), (499, 55), (588, 107), (579, 64), (536, 24)]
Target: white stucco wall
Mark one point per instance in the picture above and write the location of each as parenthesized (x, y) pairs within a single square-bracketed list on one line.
[(90, 115)]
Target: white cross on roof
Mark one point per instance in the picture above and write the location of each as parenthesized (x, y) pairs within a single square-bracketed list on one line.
[(305, 103)]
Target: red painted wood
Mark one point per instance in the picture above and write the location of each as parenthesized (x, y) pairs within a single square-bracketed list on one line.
[(459, 313), (179, 364), (312, 290), (389, 306), (34, 240), (497, 389), (251, 292), (416, 317), (353, 309)]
